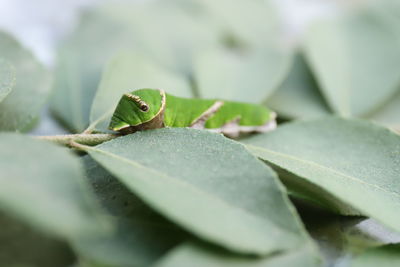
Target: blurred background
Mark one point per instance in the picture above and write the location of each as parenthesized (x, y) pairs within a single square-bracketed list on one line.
[(43, 25)]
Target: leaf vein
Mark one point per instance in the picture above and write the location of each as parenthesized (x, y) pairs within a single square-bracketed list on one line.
[(307, 162)]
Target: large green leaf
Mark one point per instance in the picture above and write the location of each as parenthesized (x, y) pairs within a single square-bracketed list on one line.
[(248, 77), (298, 97), (208, 184), (385, 256), (356, 60), (7, 78), (42, 184), (141, 237), (353, 161), (23, 104), (199, 255), (128, 72)]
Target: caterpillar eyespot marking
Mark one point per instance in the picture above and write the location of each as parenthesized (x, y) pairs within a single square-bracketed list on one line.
[(142, 105)]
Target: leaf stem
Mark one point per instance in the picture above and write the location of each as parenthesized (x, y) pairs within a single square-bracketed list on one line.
[(82, 139)]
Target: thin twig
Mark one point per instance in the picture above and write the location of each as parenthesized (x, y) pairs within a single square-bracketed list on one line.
[(83, 139)]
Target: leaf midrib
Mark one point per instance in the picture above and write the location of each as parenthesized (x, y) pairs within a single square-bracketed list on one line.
[(311, 163), (190, 186)]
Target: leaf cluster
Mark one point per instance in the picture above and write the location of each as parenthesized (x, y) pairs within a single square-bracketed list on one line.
[(321, 190)]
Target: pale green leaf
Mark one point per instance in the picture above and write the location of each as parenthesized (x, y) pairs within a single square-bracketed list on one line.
[(247, 77), (311, 193), (199, 255), (353, 161), (235, 20), (24, 103), (7, 78), (42, 184), (389, 113), (165, 31), (208, 184), (128, 72), (141, 237), (391, 8), (298, 97), (355, 59), (80, 61), (385, 256)]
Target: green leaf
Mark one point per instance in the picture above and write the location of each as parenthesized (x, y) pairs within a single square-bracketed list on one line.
[(24, 103), (353, 161), (141, 237), (75, 85), (341, 238), (21, 245), (356, 60), (385, 256), (165, 31), (199, 255), (311, 193), (235, 20), (390, 8), (388, 114), (298, 97), (7, 78), (128, 72), (80, 61), (42, 184), (247, 77), (208, 184)]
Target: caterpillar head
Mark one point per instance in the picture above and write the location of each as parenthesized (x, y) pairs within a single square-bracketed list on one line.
[(139, 110)]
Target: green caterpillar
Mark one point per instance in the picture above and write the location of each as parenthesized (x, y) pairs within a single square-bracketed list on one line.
[(152, 108)]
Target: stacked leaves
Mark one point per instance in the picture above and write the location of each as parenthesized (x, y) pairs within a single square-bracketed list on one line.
[(348, 65), (185, 197)]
